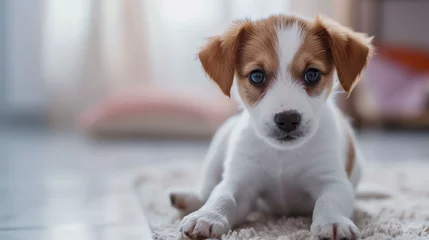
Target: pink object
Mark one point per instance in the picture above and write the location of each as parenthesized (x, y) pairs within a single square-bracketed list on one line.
[(149, 110), (396, 89)]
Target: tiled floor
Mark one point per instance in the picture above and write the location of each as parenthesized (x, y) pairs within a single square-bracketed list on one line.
[(63, 186)]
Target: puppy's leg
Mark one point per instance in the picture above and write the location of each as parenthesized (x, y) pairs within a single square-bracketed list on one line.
[(186, 201), (333, 209), (189, 201), (228, 205)]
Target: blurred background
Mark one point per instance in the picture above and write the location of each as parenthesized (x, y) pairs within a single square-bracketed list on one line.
[(93, 90)]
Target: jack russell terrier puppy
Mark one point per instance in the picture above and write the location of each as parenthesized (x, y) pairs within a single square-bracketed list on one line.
[(290, 151)]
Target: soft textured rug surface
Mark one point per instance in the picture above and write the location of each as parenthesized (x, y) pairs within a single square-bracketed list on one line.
[(404, 216)]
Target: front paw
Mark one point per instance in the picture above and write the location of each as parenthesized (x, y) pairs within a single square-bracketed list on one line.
[(339, 228), (204, 224)]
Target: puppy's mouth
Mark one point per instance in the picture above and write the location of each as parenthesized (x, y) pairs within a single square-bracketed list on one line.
[(289, 137), (286, 138)]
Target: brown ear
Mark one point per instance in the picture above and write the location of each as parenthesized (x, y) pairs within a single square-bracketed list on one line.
[(218, 56), (350, 51)]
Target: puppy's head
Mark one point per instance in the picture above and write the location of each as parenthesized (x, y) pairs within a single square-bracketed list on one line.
[(284, 69)]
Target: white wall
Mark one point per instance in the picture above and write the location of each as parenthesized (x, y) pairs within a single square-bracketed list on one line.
[(406, 22), (399, 23), (24, 84), (3, 66)]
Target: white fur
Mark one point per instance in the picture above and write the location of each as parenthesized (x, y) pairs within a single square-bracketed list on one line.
[(246, 169)]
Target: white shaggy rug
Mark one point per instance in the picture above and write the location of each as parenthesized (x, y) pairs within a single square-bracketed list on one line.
[(404, 216)]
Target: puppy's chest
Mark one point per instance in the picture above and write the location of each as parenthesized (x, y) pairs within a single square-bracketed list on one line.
[(284, 188), (280, 167)]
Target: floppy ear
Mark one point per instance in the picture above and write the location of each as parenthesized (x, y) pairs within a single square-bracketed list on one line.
[(350, 50), (218, 56)]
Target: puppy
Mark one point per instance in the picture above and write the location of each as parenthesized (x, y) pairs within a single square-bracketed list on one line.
[(290, 151)]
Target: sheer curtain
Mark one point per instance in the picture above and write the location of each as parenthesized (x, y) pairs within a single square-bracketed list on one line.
[(91, 49), (87, 49), (94, 48), (179, 28), (22, 86)]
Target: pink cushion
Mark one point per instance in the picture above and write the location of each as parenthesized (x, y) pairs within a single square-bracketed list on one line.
[(397, 90), (152, 111)]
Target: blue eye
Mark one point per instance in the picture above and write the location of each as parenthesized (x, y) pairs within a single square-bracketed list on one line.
[(257, 77), (312, 75)]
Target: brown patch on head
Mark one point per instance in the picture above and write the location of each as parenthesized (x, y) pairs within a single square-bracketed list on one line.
[(248, 46), (326, 44), (259, 51), (314, 53), (245, 47), (218, 56), (350, 51)]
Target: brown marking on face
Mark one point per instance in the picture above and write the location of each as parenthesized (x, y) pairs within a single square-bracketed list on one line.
[(350, 51), (218, 56), (248, 46), (314, 52), (259, 51)]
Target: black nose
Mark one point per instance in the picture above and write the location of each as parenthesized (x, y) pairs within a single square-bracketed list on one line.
[(287, 121)]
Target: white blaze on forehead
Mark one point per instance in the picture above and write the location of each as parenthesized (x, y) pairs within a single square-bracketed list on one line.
[(283, 95), (289, 40)]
